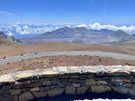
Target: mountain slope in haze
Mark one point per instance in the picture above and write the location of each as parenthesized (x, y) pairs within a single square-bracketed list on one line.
[(81, 35), (133, 35), (6, 40)]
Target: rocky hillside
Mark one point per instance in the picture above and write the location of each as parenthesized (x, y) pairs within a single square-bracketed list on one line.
[(81, 35), (6, 40)]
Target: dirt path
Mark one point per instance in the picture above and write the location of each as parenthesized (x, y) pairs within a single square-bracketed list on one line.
[(68, 53)]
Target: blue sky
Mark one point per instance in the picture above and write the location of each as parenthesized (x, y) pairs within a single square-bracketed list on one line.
[(116, 12)]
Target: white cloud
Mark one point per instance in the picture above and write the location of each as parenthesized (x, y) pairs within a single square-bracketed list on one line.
[(33, 29), (39, 29), (25, 27), (82, 25), (98, 26), (9, 33)]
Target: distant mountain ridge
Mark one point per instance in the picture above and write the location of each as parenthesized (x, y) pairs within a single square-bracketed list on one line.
[(81, 35), (133, 35), (28, 30), (6, 40)]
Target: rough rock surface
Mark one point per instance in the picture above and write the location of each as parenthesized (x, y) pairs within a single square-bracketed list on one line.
[(31, 84)]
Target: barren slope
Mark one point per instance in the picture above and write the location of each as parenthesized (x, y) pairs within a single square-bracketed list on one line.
[(51, 61), (17, 49)]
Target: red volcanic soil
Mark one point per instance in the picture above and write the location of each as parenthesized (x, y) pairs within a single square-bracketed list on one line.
[(17, 49), (48, 62)]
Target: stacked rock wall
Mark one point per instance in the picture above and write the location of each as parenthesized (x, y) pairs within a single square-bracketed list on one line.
[(29, 85)]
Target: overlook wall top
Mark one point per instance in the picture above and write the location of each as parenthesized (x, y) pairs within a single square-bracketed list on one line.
[(118, 69), (34, 84)]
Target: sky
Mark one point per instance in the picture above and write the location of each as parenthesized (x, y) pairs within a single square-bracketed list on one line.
[(116, 12)]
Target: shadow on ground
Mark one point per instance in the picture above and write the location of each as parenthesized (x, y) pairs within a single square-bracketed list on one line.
[(90, 96)]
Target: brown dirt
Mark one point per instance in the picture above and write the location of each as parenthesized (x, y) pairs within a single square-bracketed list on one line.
[(17, 49), (47, 62)]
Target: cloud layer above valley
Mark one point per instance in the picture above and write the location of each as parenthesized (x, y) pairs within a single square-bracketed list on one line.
[(25, 29), (97, 26)]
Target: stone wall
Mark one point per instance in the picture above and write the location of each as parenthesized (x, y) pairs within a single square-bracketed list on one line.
[(28, 85)]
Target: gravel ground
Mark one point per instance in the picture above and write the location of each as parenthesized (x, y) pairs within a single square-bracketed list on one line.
[(71, 53)]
